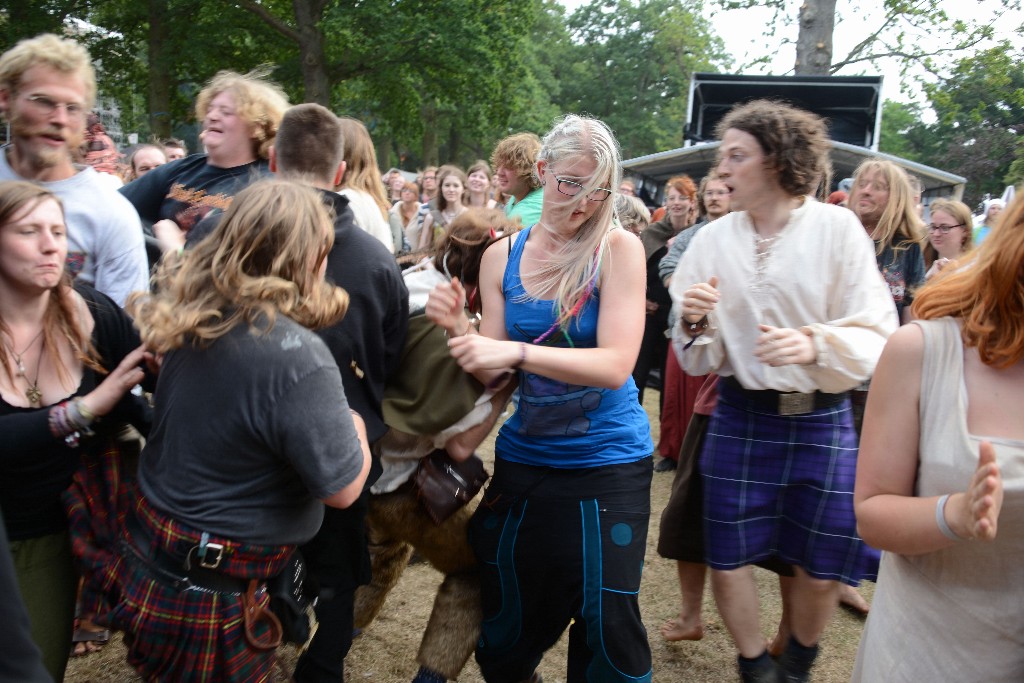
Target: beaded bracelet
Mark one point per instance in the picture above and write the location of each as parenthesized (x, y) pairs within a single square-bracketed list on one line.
[(68, 421)]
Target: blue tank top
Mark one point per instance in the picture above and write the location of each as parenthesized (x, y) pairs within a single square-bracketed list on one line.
[(558, 424)]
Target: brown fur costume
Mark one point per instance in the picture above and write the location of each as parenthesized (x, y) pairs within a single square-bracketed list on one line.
[(397, 524)]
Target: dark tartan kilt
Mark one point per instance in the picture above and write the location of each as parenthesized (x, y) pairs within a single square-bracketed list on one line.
[(172, 635), (782, 486)]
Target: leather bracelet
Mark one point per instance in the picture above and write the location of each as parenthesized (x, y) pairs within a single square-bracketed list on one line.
[(522, 356), (697, 328)]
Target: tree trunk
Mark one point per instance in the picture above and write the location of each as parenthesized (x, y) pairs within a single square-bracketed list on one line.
[(429, 143), (159, 92), (814, 42), (454, 143), (308, 14), (382, 143)]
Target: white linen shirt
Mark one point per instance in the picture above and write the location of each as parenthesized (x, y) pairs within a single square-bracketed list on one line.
[(820, 276)]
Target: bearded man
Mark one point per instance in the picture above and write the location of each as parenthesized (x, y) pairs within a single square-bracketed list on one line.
[(47, 88)]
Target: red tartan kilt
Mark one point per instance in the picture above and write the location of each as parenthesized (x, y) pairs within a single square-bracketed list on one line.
[(172, 635)]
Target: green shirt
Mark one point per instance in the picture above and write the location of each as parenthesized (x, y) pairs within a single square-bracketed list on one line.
[(528, 208)]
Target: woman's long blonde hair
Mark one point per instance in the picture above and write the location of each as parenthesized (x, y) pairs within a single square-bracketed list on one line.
[(899, 225), (572, 273), (361, 172), (263, 259), (62, 319), (986, 292)]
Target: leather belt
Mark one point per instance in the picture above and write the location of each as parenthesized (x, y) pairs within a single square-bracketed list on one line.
[(784, 402), (182, 574)]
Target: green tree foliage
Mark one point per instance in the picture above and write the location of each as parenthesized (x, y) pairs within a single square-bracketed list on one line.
[(630, 65), (23, 19), (979, 128), (163, 51), (980, 110), (411, 69), (903, 133)]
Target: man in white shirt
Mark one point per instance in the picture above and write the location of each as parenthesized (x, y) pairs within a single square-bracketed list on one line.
[(782, 299), (47, 87)]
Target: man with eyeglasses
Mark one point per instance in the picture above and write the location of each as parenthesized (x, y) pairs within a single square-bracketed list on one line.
[(513, 160), (712, 204), (47, 87)]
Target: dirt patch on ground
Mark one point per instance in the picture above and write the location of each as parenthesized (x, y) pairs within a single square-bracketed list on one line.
[(386, 651)]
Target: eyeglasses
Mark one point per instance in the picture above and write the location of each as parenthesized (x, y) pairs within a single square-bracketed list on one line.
[(572, 188), (944, 229), (47, 106)]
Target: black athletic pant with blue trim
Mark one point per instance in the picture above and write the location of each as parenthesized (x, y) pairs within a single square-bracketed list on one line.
[(563, 548)]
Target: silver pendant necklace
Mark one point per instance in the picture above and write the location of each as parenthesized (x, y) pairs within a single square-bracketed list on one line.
[(32, 393)]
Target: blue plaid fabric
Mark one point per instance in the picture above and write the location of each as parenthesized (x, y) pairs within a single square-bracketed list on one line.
[(782, 486)]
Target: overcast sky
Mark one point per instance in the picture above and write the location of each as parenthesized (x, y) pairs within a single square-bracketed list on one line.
[(742, 33)]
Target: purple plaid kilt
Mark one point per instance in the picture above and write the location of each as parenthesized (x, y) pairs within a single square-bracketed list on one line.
[(193, 635), (782, 486)]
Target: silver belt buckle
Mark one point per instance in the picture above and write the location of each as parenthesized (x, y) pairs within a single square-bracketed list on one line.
[(795, 403)]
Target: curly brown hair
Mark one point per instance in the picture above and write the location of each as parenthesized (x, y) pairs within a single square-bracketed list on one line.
[(258, 101), (519, 153), (262, 260), (795, 142), (459, 252)]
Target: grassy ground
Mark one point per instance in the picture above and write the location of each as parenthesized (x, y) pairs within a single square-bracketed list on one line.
[(386, 651)]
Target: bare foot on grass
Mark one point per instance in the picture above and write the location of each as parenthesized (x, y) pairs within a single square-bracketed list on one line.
[(678, 628), (850, 599)]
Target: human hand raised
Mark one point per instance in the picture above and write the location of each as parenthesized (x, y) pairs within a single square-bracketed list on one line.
[(700, 299), (169, 234), (778, 346), (975, 512), (445, 306), (126, 375)]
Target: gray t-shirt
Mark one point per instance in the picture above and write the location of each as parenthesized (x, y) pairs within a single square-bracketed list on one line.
[(670, 260), (249, 434)]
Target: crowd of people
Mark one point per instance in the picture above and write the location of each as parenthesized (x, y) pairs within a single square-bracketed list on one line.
[(228, 370)]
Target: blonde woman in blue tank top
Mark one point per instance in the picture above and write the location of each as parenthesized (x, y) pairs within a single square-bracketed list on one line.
[(562, 529)]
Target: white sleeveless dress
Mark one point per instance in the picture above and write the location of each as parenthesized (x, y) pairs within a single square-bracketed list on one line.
[(955, 614)]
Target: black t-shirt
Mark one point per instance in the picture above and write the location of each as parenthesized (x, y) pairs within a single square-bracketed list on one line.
[(36, 466), (248, 434), (188, 189), (903, 271)]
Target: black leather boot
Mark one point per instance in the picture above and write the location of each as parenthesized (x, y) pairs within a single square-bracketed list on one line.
[(796, 661), (761, 669)]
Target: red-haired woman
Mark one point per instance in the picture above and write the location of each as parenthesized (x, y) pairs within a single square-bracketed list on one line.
[(680, 200), (940, 477)]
